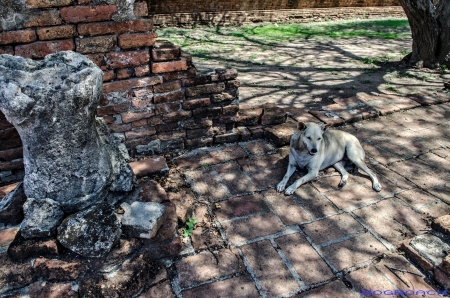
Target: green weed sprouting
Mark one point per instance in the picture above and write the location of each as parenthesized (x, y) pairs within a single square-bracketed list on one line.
[(190, 225)]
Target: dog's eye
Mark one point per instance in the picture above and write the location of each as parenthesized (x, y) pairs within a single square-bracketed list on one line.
[(319, 139), (309, 138)]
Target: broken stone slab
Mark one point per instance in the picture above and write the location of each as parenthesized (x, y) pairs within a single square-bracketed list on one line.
[(431, 248), (21, 248), (91, 232), (69, 155), (142, 219), (42, 217), (11, 211), (442, 224), (154, 165)]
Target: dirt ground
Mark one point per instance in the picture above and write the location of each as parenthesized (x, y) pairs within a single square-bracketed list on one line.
[(309, 72)]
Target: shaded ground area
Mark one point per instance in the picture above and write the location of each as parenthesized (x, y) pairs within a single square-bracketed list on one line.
[(310, 67)]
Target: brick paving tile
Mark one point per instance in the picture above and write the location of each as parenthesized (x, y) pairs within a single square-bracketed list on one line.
[(391, 220), (331, 182), (436, 161), (269, 268), (441, 191), (369, 279), (252, 227), (352, 195), (400, 151), (330, 290), (312, 201), (160, 290), (286, 207), (235, 180), (331, 228), (415, 119), (382, 125), (308, 264), (259, 163), (353, 251), (233, 152), (240, 206), (154, 165), (241, 286), (270, 177), (418, 172), (382, 156), (424, 202), (391, 176), (207, 185), (258, 147), (199, 160), (444, 153), (7, 236), (205, 266), (400, 262)]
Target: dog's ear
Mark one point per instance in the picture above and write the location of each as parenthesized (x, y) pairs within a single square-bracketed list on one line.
[(301, 126), (326, 126)]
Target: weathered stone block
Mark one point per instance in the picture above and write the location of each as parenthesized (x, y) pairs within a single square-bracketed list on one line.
[(42, 217)]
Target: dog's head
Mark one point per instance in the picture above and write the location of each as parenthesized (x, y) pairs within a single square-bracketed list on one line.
[(312, 135)]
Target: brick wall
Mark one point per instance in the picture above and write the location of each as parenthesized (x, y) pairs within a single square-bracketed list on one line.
[(177, 6), (152, 99)]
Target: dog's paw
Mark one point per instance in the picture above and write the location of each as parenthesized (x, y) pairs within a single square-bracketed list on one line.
[(290, 190), (342, 183), (376, 187), (281, 186)]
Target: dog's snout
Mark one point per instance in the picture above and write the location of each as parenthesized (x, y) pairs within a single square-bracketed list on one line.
[(313, 150)]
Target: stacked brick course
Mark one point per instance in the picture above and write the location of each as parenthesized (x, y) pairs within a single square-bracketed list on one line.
[(152, 100)]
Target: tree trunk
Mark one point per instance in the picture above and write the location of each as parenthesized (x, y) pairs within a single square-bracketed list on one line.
[(430, 28)]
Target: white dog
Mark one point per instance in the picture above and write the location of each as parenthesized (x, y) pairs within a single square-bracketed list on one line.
[(315, 148)]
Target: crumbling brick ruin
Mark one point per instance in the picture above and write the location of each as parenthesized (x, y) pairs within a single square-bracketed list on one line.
[(153, 99)]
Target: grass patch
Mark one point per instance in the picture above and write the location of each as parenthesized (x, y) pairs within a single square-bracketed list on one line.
[(386, 29)]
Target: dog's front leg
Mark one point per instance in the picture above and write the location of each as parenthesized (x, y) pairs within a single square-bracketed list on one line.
[(308, 177), (290, 170)]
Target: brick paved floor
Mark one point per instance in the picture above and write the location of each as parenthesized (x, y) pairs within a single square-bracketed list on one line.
[(321, 241)]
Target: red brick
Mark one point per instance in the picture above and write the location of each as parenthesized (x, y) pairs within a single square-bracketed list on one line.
[(333, 289), (10, 154), (175, 135), (119, 127), (318, 271), (165, 51), (253, 227), (103, 28), (111, 110), (87, 14), (40, 49), (170, 66), (125, 85), (269, 269), (163, 289), (39, 290), (19, 36), (140, 9), (353, 251), (108, 75), (168, 97), (200, 142), (206, 266), (165, 108), (353, 195), (205, 89), (140, 123), (98, 59), (269, 177), (228, 137), (230, 109), (124, 73), (6, 49), (332, 228), (176, 116), (142, 71), (235, 180), (53, 269), (424, 202), (98, 44), (40, 18), (196, 103), (223, 96), (207, 111), (232, 85), (137, 40), (7, 236), (154, 165), (240, 206), (368, 279), (200, 132), (263, 162), (127, 59), (167, 87), (286, 208), (139, 133), (442, 224), (133, 116), (224, 74), (141, 104), (414, 256), (241, 286), (12, 165), (206, 183), (47, 3), (58, 32)]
